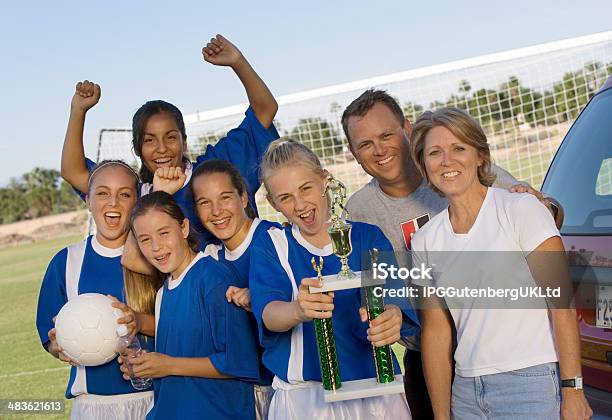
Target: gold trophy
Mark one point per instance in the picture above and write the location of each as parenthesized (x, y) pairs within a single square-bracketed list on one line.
[(339, 229), (386, 382)]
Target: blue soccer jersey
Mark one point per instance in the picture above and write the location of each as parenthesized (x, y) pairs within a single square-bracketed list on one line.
[(193, 319), (84, 267), (279, 262), (239, 260), (244, 147)]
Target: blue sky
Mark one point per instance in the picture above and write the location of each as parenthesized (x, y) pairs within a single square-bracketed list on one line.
[(141, 50)]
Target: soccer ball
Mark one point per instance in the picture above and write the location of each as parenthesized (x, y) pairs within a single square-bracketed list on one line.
[(86, 329)]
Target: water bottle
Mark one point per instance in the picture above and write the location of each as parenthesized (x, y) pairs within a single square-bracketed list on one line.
[(129, 347)]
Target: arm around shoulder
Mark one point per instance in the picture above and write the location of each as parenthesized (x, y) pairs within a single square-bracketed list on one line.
[(133, 260)]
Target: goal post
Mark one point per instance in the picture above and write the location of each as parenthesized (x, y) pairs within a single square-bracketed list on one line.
[(526, 99)]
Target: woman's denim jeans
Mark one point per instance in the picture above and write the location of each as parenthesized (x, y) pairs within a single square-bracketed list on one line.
[(529, 393)]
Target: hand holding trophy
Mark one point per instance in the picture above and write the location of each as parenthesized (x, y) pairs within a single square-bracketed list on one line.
[(375, 306), (326, 344), (386, 382)]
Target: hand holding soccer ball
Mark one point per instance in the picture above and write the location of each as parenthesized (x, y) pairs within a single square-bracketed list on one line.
[(56, 350), (86, 330), (129, 317)]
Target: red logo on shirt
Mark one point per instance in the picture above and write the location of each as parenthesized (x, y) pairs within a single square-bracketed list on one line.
[(409, 227)]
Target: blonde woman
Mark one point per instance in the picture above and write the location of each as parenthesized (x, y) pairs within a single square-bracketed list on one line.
[(508, 361), (280, 275)]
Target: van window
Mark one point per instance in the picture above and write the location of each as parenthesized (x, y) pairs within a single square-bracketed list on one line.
[(604, 178), (580, 176)]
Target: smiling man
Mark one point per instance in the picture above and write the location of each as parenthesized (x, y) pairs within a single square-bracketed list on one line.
[(397, 199)]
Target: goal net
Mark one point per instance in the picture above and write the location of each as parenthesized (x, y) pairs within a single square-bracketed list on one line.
[(526, 99)]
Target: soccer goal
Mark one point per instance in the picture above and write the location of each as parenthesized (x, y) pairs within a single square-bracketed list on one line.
[(526, 99)]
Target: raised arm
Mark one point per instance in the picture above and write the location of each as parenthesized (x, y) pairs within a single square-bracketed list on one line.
[(74, 170), (221, 52)]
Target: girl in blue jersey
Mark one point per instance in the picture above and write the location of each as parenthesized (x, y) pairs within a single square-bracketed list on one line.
[(160, 140), (221, 203), (280, 274), (94, 266), (205, 360)]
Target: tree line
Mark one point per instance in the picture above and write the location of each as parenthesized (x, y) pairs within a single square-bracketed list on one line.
[(499, 110), (514, 104), (40, 192)]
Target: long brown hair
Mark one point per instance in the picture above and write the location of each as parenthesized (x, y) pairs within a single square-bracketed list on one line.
[(141, 289), (139, 122), (164, 202), (219, 166)]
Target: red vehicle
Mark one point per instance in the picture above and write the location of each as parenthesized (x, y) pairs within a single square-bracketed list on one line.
[(580, 178)]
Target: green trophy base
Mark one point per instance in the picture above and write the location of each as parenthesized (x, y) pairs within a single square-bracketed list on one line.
[(332, 283), (383, 358), (364, 388)]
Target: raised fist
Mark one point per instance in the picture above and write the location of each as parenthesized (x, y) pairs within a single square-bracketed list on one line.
[(220, 52), (86, 95), (169, 180)]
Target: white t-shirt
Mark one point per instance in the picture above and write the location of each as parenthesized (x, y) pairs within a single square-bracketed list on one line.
[(492, 340)]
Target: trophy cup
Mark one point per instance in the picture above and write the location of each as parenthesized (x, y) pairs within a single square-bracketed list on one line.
[(385, 382), (339, 229)]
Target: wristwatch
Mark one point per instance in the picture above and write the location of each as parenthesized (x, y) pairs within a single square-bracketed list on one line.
[(575, 382), (556, 209)]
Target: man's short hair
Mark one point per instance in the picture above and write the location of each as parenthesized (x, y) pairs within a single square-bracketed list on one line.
[(366, 101)]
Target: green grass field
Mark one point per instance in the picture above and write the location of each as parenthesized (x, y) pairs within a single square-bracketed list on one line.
[(27, 371)]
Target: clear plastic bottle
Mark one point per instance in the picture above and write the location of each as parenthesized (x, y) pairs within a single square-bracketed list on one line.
[(129, 347)]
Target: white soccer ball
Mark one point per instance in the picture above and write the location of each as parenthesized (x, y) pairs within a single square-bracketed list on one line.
[(86, 329)]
